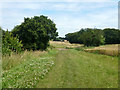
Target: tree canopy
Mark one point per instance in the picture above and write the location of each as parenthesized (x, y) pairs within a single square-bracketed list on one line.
[(95, 37), (112, 36), (36, 32)]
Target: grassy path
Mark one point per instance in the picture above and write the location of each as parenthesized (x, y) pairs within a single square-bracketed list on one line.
[(60, 68), (77, 69)]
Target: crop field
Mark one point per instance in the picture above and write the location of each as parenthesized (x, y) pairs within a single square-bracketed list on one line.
[(61, 66), (64, 44), (106, 49)]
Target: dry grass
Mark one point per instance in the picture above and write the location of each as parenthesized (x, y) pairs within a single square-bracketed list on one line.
[(9, 62), (64, 44), (111, 50)]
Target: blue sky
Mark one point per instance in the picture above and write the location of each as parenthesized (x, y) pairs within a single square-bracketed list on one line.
[(69, 15)]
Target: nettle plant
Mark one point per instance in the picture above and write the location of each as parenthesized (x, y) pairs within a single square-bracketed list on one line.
[(10, 44)]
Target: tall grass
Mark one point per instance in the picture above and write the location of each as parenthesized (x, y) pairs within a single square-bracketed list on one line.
[(9, 62), (26, 69)]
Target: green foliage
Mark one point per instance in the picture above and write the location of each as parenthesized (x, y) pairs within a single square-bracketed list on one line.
[(10, 43), (112, 36), (88, 37), (74, 37), (36, 32), (93, 37)]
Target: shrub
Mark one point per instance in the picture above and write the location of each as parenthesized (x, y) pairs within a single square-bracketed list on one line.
[(10, 43)]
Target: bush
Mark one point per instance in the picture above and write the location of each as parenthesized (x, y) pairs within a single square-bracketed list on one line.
[(10, 43)]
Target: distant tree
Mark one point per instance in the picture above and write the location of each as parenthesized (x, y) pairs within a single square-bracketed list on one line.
[(59, 39), (112, 36), (93, 37), (74, 37), (36, 32), (88, 37)]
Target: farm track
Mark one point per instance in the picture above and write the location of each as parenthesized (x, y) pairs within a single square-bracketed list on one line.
[(74, 69), (62, 73)]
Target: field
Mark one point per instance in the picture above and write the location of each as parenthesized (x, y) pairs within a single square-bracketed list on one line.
[(61, 66), (111, 50)]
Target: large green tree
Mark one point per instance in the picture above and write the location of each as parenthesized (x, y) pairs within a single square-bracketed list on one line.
[(36, 32)]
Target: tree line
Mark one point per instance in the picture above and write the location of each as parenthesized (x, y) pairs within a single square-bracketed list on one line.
[(94, 36), (33, 34)]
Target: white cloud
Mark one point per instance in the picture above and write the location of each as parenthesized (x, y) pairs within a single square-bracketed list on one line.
[(70, 17), (68, 23)]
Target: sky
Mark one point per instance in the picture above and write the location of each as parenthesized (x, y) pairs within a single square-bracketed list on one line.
[(68, 15)]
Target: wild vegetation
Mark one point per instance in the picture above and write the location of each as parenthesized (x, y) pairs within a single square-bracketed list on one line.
[(10, 43)]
